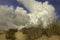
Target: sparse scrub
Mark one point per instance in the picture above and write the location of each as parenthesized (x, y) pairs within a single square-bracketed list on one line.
[(10, 35), (34, 33)]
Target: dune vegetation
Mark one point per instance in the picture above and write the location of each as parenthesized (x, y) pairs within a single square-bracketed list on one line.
[(51, 33)]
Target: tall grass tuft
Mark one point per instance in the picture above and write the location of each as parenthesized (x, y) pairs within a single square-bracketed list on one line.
[(10, 35), (34, 33)]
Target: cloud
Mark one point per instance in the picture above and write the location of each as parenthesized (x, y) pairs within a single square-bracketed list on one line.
[(27, 3), (12, 19), (40, 13)]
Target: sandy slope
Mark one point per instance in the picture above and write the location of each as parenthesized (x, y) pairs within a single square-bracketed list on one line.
[(21, 36), (2, 35), (53, 37)]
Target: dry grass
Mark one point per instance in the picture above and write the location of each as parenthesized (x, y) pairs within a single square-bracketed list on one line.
[(20, 36), (53, 37), (50, 33), (2, 35), (35, 33)]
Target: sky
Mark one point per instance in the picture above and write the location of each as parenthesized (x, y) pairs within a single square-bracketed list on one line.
[(14, 3)]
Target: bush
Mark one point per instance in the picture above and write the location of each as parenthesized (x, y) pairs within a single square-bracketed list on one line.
[(10, 35), (34, 33)]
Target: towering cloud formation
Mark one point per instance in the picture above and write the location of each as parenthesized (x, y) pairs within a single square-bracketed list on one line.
[(40, 14), (26, 3), (10, 19)]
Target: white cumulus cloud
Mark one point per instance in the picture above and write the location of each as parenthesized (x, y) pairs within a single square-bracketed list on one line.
[(40, 14), (12, 19)]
